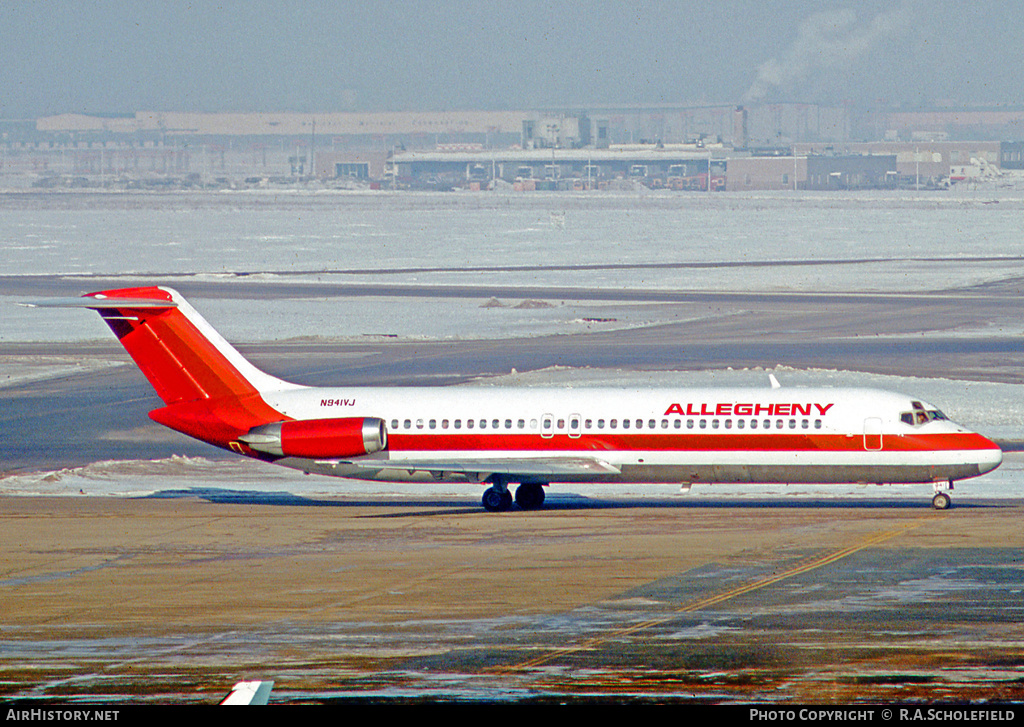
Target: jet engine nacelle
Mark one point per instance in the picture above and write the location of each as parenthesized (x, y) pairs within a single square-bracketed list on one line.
[(319, 438)]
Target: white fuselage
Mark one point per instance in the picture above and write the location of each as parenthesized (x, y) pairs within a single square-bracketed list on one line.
[(656, 435)]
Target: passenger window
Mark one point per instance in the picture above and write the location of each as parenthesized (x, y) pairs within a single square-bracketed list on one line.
[(664, 423), (753, 423), (433, 423), (483, 424), (547, 424), (470, 423), (714, 424), (588, 423), (613, 423), (817, 423), (625, 423), (651, 424), (495, 423), (521, 423), (508, 424), (728, 423), (739, 424), (600, 423), (444, 424), (778, 424), (419, 424), (458, 424), (792, 423), (703, 423), (408, 424), (689, 423), (394, 424), (561, 423), (804, 424)]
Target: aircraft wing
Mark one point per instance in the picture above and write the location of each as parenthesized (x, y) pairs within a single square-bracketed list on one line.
[(532, 467)]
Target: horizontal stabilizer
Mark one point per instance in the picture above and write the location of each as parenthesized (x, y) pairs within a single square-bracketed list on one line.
[(100, 303)]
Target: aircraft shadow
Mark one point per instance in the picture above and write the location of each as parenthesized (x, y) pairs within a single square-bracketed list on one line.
[(559, 503)]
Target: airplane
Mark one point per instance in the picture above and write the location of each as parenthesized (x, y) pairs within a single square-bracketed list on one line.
[(532, 437), (254, 693)]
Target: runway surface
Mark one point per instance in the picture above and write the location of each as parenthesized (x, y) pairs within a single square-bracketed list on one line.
[(653, 600)]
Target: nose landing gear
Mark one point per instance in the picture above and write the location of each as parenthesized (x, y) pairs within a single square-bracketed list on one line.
[(942, 500)]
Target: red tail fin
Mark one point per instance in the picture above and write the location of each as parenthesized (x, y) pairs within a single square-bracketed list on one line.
[(212, 393), (180, 362)]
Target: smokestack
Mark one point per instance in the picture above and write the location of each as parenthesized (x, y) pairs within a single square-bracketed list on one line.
[(739, 128)]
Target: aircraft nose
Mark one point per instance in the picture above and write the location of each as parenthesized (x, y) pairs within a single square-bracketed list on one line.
[(990, 457)]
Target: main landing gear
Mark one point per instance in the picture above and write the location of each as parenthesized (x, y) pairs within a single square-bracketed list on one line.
[(529, 496), (942, 500), (497, 499)]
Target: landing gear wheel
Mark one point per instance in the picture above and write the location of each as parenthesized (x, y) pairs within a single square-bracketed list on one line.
[(495, 500), (942, 501), (530, 496)]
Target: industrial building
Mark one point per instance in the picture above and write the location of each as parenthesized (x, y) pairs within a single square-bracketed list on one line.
[(928, 162), (561, 168), (690, 148)]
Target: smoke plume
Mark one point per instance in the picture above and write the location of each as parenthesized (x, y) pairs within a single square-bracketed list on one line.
[(825, 41)]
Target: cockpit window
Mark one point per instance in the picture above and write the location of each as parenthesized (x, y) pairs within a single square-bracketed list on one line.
[(919, 415)]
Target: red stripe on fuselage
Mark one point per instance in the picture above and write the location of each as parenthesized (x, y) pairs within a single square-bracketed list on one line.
[(425, 442)]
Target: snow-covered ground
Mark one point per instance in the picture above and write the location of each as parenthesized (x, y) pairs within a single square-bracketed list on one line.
[(364, 235), (902, 242)]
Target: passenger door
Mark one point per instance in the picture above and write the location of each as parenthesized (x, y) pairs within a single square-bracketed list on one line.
[(873, 433)]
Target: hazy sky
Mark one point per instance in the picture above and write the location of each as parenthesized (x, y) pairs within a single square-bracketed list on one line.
[(257, 55)]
